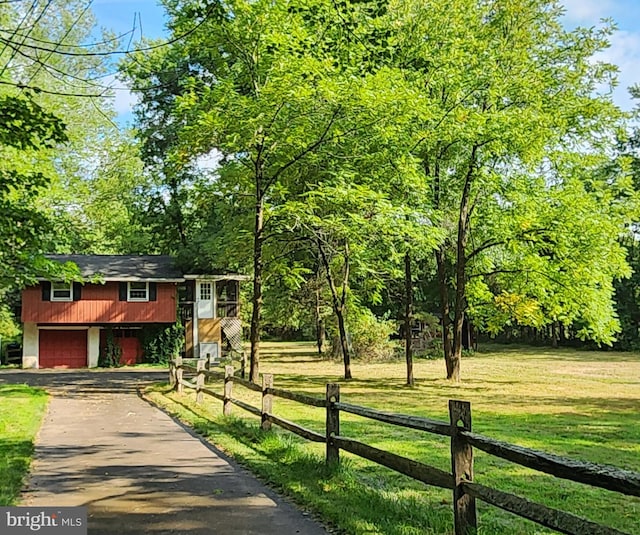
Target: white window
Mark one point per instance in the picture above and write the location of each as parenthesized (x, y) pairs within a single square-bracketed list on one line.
[(205, 291), (61, 291), (138, 291)]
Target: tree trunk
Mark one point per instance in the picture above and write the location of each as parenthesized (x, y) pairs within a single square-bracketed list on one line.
[(408, 318), (460, 304), (254, 373), (445, 310), (344, 343), (443, 283), (554, 334), (339, 304), (320, 334)]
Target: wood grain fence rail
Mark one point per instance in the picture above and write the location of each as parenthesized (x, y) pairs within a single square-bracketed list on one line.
[(463, 441)]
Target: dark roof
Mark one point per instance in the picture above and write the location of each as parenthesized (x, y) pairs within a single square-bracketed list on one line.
[(124, 267)]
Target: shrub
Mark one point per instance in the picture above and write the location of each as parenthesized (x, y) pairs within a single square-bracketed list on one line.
[(368, 337), (160, 344)]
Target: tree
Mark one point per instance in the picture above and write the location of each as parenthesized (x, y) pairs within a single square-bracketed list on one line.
[(42, 63), (267, 87), (25, 129), (505, 106)]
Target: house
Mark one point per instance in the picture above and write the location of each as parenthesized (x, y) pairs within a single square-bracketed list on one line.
[(122, 298)]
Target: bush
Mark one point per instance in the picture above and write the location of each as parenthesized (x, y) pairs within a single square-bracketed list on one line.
[(160, 344), (111, 352), (368, 337)]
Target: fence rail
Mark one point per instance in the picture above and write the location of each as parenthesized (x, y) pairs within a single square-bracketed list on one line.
[(463, 440)]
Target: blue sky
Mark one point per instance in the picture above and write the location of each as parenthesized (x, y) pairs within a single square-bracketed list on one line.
[(119, 15)]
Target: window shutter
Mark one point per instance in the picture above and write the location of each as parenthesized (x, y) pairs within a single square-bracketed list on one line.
[(153, 291), (123, 291), (77, 291), (46, 290)]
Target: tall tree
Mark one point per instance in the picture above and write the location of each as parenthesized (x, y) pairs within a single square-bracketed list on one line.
[(265, 85), (503, 103)]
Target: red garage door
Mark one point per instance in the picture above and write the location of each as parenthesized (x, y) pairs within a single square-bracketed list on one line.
[(63, 349)]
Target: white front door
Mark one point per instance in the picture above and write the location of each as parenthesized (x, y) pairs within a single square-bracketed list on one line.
[(205, 299)]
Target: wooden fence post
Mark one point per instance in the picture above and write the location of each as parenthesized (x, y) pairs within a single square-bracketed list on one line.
[(172, 373), (243, 364), (333, 423), (228, 390), (267, 400), (464, 506), (179, 372), (200, 380)]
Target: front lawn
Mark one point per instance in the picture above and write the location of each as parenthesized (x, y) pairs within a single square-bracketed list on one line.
[(21, 412), (584, 405)]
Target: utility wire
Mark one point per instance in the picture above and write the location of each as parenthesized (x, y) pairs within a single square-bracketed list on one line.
[(71, 27), (26, 41), (16, 30), (114, 39), (114, 52)]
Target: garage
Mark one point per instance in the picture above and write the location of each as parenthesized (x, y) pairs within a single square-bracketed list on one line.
[(63, 349)]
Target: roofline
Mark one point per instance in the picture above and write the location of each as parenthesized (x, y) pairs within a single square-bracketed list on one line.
[(99, 279), (235, 277), (141, 279), (231, 276)]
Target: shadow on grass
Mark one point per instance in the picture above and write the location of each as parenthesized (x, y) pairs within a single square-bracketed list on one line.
[(337, 493), (331, 488), (375, 496), (80, 383), (548, 353)]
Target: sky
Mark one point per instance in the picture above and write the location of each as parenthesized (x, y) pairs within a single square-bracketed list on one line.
[(147, 17)]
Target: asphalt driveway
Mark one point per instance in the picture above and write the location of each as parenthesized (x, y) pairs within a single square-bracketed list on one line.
[(136, 469)]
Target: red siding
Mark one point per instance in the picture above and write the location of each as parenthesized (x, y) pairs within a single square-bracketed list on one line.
[(100, 304)]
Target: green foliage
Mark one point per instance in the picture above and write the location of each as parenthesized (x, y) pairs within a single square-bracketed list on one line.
[(53, 129), (369, 336), (111, 353), (161, 344), (21, 411), (9, 328), (26, 129), (346, 135)]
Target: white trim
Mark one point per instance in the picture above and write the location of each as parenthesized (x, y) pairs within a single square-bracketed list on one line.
[(195, 335), (67, 286), (46, 327), (30, 345), (93, 346), (231, 277), (215, 304), (138, 299)]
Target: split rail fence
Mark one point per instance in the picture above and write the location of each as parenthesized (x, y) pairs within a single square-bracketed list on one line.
[(463, 441)]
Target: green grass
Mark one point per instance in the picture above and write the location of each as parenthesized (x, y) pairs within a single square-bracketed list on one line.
[(585, 405), (21, 411)]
